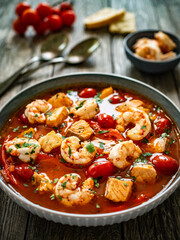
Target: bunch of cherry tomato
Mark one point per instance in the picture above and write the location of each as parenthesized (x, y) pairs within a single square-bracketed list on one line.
[(44, 18)]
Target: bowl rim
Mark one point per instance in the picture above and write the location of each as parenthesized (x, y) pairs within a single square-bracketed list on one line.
[(19, 198), (129, 36)]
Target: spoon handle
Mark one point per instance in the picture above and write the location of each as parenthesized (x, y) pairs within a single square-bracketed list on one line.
[(7, 82), (53, 61), (19, 73)]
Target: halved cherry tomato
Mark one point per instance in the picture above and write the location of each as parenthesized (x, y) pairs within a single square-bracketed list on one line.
[(64, 6), (68, 17), (87, 93), (106, 121), (116, 99), (41, 27), (102, 168), (23, 119), (24, 171), (44, 156), (113, 133), (21, 7), (55, 22), (164, 164), (162, 125), (44, 10), (18, 26), (30, 17)]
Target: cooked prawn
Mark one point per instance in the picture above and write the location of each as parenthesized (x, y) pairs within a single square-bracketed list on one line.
[(165, 42), (157, 145), (24, 148), (149, 50), (138, 117), (35, 111), (68, 192), (123, 107), (74, 152), (86, 109), (119, 153)]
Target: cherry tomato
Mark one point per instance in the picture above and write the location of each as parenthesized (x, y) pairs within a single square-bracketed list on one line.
[(106, 121), (41, 27), (116, 99), (65, 6), (55, 22), (101, 168), (24, 171), (164, 164), (55, 11), (68, 17), (18, 26), (21, 7), (23, 119), (87, 93), (44, 10), (162, 125), (30, 17)]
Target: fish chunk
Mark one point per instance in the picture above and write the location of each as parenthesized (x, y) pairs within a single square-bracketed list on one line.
[(60, 100), (50, 141), (42, 181), (118, 190), (56, 116), (80, 129), (144, 173)]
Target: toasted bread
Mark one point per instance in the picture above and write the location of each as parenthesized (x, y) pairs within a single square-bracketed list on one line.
[(124, 25), (103, 18)]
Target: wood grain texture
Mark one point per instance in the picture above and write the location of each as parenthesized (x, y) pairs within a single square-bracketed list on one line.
[(162, 222)]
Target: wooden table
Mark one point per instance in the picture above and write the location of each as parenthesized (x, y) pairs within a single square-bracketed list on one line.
[(162, 222)]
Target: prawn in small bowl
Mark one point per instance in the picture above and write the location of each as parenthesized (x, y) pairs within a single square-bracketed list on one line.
[(153, 51)]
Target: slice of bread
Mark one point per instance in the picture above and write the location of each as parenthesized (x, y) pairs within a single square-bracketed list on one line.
[(103, 18), (124, 25)]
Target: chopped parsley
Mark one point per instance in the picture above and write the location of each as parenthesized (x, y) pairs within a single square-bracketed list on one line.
[(166, 152), (97, 98), (103, 131), (69, 151), (62, 160), (15, 129), (101, 145), (25, 185), (28, 135), (145, 140), (64, 184), (142, 158), (143, 127), (56, 180), (63, 137), (97, 205), (171, 141), (63, 125), (60, 198), (80, 105), (52, 197), (163, 135), (125, 184), (49, 114), (69, 92), (90, 147), (25, 126)]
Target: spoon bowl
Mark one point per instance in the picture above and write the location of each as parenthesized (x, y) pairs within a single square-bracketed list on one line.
[(53, 46), (82, 51)]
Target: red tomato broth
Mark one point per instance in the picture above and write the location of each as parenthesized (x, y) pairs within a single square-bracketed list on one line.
[(56, 169)]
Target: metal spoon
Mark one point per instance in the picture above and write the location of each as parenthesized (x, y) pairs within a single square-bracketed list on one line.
[(77, 54), (51, 48)]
